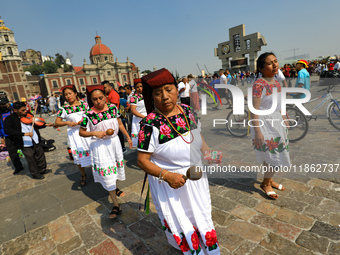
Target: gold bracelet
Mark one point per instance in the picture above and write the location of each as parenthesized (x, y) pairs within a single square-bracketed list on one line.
[(164, 175), (160, 176)]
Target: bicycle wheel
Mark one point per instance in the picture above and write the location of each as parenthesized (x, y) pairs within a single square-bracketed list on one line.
[(298, 124), (334, 115), (237, 124)]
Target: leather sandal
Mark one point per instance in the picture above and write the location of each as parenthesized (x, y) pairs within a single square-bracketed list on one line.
[(115, 212), (120, 193), (270, 194), (83, 180), (277, 186)]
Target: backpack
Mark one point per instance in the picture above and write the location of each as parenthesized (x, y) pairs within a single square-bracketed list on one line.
[(47, 144)]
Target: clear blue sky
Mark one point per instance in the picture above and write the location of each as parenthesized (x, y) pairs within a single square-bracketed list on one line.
[(173, 34)]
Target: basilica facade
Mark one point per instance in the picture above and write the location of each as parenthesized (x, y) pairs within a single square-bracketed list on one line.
[(102, 67)]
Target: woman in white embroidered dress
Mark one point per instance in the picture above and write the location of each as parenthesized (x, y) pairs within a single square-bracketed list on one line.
[(269, 135), (105, 150), (72, 114), (137, 109), (169, 143)]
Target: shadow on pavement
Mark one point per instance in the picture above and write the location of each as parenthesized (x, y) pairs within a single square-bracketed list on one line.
[(138, 232)]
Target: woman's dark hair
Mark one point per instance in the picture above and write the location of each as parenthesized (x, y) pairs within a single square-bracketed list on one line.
[(96, 90), (71, 88), (261, 61), (18, 105)]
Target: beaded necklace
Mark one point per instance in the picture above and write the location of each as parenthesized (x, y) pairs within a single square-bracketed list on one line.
[(186, 120)]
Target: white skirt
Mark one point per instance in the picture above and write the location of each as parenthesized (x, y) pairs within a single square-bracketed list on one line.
[(275, 149), (135, 130), (80, 147), (185, 213), (107, 162)]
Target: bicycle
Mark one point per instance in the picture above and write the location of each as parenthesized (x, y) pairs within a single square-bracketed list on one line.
[(238, 124), (333, 108)]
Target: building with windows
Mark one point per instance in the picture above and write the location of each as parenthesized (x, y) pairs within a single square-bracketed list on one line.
[(103, 66), (13, 80)]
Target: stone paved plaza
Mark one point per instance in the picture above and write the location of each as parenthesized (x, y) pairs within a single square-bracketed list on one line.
[(57, 216)]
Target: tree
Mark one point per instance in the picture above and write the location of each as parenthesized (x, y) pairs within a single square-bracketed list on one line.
[(145, 72), (50, 67), (59, 60), (27, 68), (68, 68), (35, 69)]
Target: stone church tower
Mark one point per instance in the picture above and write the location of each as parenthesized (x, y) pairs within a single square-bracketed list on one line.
[(8, 46), (13, 81)]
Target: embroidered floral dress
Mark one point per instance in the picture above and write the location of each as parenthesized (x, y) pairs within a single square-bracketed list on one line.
[(137, 100), (106, 153), (80, 146), (185, 213), (274, 150)]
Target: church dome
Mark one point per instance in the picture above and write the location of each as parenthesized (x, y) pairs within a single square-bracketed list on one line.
[(3, 27), (99, 48)]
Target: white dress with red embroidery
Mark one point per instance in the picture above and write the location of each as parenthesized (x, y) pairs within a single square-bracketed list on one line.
[(137, 100), (185, 213), (274, 150), (106, 153), (80, 146)]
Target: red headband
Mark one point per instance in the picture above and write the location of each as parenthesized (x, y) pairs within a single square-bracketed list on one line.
[(158, 78), (70, 86), (91, 88), (135, 81)]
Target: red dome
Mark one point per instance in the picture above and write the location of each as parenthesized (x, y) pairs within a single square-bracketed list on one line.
[(99, 49)]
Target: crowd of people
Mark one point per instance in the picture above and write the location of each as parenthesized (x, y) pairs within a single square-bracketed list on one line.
[(158, 116)]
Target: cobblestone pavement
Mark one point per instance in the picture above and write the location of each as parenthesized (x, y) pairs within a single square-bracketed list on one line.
[(56, 216)]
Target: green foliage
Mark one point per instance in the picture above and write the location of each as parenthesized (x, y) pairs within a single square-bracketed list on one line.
[(35, 69), (145, 72), (50, 67), (68, 68), (27, 68), (59, 60), (47, 67)]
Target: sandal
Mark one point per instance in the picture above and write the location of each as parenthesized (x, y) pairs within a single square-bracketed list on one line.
[(277, 186), (83, 180), (120, 193), (270, 194), (115, 212)]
